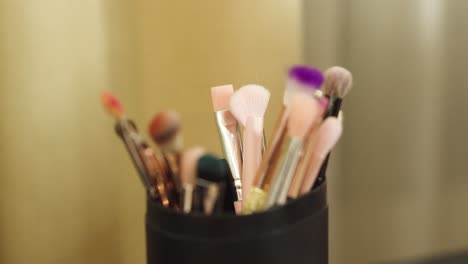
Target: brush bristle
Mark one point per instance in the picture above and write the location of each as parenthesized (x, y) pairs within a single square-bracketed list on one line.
[(250, 100), (338, 81), (112, 104), (303, 112), (164, 126), (189, 163), (306, 75), (327, 135), (302, 79), (220, 96), (210, 168)]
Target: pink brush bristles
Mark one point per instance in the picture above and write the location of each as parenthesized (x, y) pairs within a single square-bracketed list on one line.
[(220, 96), (112, 104)]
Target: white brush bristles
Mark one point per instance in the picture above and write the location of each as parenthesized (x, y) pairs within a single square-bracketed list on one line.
[(338, 81), (220, 96), (249, 101), (303, 112), (188, 164)]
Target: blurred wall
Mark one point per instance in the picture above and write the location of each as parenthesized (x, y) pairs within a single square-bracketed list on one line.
[(400, 185), (68, 193), (61, 175)]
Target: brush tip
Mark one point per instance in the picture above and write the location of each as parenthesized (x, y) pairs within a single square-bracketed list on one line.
[(112, 104), (220, 96), (307, 76), (164, 126), (249, 101), (303, 112), (338, 81)]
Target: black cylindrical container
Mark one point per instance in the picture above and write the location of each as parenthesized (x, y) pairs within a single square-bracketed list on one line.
[(296, 233)]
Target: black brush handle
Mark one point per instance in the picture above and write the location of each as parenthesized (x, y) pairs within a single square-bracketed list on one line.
[(230, 190), (334, 110)]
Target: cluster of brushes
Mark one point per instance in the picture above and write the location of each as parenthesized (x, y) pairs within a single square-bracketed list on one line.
[(253, 176)]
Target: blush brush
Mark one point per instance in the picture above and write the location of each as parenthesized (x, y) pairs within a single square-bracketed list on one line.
[(302, 114), (248, 105)]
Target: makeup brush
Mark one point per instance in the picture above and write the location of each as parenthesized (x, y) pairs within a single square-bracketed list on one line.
[(126, 130), (338, 83), (188, 176), (164, 129), (293, 182), (229, 197), (248, 105), (156, 173), (157, 170), (327, 136), (303, 80), (229, 133), (302, 114), (209, 185), (309, 142)]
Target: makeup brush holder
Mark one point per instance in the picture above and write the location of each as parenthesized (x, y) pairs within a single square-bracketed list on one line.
[(295, 233)]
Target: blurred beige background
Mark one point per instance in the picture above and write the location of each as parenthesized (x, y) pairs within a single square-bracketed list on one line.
[(68, 192)]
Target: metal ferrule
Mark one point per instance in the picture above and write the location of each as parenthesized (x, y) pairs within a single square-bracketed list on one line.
[(255, 201), (229, 133), (294, 156), (288, 163)]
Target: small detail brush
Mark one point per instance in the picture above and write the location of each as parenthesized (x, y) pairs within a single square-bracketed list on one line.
[(188, 175), (248, 105), (338, 83), (301, 79), (328, 135), (164, 129), (229, 133), (302, 114), (126, 130)]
